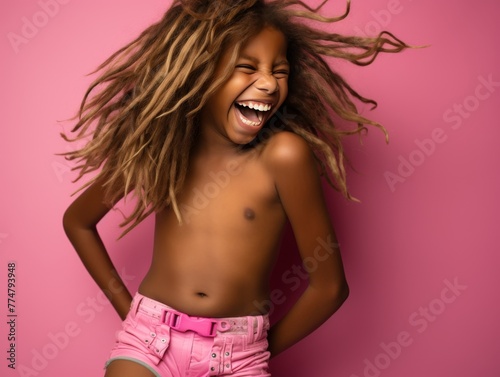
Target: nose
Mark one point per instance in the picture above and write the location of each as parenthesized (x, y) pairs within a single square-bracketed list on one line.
[(268, 83)]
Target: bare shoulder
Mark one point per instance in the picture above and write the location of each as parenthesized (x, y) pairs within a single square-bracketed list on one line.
[(287, 150)]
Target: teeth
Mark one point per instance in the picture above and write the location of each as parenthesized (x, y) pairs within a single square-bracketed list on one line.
[(260, 109), (256, 106), (249, 122)]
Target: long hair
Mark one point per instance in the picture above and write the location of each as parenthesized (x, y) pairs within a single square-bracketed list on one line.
[(140, 114)]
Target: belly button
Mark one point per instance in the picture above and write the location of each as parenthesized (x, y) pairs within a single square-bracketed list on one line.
[(201, 294), (249, 214)]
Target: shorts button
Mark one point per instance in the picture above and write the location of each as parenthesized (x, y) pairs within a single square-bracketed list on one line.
[(214, 355), (164, 340), (212, 369), (227, 365), (227, 354), (153, 334)]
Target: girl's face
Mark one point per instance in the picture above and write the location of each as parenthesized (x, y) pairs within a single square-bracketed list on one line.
[(257, 87)]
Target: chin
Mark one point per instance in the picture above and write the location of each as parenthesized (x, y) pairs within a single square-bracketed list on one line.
[(241, 139), (243, 142)]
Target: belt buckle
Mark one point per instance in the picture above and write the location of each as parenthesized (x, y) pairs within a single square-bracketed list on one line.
[(182, 322)]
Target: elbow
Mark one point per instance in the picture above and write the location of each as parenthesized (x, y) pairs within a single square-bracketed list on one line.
[(343, 292), (339, 294), (71, 222), (68, 222)]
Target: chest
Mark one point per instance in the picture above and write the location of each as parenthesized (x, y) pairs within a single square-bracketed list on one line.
[(238, 190)]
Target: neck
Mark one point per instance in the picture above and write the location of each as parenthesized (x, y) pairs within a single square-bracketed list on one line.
[(210, 143)]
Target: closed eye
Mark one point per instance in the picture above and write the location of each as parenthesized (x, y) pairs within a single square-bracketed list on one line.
[(281, 74), (246, 68)]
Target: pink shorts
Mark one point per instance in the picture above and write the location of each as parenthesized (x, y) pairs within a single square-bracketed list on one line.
[(170, 343)]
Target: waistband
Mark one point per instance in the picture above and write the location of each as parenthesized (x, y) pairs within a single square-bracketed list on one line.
[(253, 326)]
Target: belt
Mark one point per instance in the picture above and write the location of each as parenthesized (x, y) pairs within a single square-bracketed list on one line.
[(182, 322), (207, 327)]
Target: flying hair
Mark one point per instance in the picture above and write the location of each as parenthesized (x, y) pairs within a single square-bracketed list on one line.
[(139, 117)]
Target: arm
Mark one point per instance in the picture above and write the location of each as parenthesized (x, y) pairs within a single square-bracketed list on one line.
[(80, 224), (299, 187)]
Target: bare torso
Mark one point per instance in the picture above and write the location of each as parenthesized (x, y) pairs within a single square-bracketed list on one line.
[(218, 262)]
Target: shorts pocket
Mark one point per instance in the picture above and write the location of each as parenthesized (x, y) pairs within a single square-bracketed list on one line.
[(146, 335), (251, 358), (257, 345)]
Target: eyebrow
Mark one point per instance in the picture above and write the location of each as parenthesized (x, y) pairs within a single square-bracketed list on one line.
[(281, 62)]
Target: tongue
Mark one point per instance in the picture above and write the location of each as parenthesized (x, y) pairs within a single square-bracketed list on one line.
[(250, 114)]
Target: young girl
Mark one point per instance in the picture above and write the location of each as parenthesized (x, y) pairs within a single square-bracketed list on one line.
[(219, 120)]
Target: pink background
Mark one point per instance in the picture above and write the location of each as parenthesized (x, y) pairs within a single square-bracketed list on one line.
[(434, 226)]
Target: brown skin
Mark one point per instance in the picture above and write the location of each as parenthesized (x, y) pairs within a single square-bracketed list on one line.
[(218, 262)]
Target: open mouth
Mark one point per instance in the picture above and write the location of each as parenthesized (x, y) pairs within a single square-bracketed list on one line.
[(252, 113)]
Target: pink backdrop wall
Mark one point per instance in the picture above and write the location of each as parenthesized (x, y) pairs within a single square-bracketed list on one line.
[(420, 251)]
